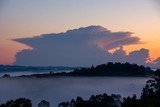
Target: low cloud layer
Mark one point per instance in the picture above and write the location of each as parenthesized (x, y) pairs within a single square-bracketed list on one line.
[(85, 46)]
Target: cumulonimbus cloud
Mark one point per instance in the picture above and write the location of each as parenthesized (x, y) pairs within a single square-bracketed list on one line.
[(79, 47)]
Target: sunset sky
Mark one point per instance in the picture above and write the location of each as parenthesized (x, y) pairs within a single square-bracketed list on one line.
[(28, 18)]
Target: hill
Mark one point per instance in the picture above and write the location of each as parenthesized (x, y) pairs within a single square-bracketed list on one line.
[(109, 69)]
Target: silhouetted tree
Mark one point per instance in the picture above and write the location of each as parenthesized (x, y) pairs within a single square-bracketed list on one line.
[(44, 103), (151, 92), (21, 102), (94, 101), (150, 96)]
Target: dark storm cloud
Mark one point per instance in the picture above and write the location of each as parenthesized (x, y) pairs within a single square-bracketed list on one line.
[(78, 47)]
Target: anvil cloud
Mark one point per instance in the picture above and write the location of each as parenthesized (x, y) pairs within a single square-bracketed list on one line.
[(80, 47)]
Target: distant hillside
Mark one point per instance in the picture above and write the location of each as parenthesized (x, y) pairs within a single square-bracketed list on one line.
[(114, 69), (4, 68), (109, 69)]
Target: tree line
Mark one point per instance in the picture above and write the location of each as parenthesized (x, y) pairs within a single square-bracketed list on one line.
[(114, 69)]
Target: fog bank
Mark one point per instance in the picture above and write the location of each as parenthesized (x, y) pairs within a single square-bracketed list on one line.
[(56, 90)]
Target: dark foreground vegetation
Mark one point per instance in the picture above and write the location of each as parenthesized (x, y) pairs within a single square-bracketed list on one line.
[(109, 69), (150, 97), (113, 69), (22, 102), (94, 101)]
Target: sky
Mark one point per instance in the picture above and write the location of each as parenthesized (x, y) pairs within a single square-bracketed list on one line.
[(25, 19)]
